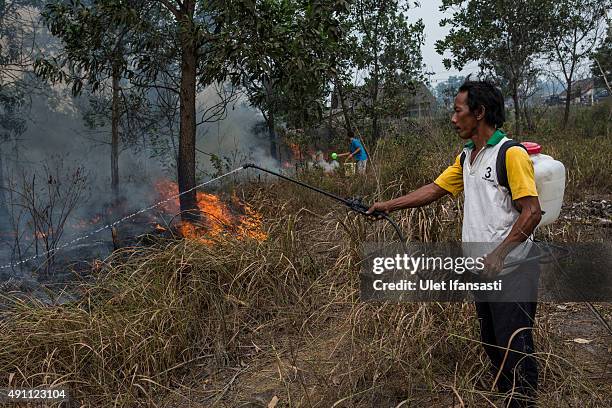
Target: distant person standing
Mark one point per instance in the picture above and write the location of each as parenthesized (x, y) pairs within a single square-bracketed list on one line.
[(357, 151)]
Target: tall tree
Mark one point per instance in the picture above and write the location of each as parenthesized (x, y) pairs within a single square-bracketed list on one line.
[(575, 28), (95, 41), (283, 56), (166, 37), (503, 36), (388, 49), (198, 43), (264, 31)]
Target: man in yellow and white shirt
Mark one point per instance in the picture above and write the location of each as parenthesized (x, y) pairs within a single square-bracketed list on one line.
[(489, 209), (502, 218)]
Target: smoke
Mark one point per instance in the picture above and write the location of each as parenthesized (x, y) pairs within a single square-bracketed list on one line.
[(328, 167), (236, 138), (56, 132)]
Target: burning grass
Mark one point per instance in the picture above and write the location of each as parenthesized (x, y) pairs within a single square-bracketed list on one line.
[(239, 320), (218, 218)]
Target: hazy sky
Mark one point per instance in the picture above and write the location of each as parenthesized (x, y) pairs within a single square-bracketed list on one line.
[(431, 15)]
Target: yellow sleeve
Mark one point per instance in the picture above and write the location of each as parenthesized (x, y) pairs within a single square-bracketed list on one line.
[(521, 177), (451, 179)]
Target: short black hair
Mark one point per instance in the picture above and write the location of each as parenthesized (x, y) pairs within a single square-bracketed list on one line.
[(485, 93)]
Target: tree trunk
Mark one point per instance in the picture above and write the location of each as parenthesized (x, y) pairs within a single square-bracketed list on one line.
[(375, 127), (270, 119), (347, 118), (187, 130), (330, 123), (528, 118), (270, 122), (375, 130), (517, 110), (568, 100), (115, 139), (4, 213)]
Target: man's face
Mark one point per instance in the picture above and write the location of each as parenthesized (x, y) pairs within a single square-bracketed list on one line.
[(463, 120)]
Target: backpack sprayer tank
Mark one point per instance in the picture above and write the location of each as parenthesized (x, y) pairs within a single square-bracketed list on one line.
[(550, 182)]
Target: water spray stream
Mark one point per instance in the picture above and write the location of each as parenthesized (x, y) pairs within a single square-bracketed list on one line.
[(127, 217)]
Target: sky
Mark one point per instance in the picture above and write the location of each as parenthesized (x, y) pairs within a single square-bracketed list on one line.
[(431, 15)]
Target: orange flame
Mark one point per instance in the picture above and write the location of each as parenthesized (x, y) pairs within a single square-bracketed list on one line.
[(216, 216)]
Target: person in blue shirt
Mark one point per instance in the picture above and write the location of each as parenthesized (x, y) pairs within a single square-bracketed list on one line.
[(357, 151)]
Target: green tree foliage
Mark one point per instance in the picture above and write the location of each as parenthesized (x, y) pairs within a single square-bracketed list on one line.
[(162, 43), (387, 49), (504, 37), (575, 27), (95, 39), (281, 56), (279, 50)]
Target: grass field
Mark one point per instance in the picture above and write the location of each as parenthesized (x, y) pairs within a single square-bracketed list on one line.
[(279, 322)]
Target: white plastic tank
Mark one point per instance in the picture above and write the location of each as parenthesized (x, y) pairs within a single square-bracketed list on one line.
[(550, 182)]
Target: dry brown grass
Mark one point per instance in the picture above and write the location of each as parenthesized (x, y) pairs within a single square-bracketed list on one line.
[(183, 323)]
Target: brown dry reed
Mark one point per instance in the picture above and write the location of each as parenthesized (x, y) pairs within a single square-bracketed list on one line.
[(184, 323)]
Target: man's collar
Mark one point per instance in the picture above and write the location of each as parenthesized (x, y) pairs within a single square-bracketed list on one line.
[(493, 140)]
